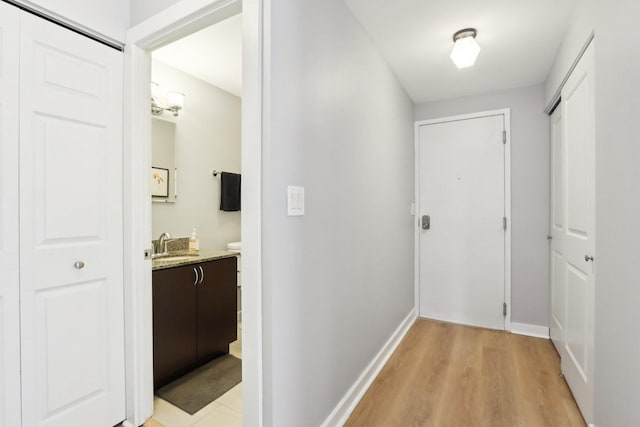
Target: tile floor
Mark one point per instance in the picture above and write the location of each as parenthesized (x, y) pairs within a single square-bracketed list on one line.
[(225, 411)]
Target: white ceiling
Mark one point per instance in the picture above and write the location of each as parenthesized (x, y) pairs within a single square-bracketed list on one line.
[(518, 38), (213, 54)]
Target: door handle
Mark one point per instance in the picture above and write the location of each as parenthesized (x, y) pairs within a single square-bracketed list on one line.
[(588, 258), (201, 274), (426, 222), (195, 282)]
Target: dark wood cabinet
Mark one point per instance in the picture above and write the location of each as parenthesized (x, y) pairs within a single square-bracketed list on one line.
[(217, 316), (194, 316)]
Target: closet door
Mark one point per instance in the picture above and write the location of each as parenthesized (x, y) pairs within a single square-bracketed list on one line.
[(70, 228), (578, 111), (9, 246), (558, 266)]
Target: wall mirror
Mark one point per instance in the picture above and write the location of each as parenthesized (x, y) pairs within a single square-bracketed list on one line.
[(164, 175)]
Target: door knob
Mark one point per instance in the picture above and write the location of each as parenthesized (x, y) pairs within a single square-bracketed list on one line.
[(588, 258), (79, 265)]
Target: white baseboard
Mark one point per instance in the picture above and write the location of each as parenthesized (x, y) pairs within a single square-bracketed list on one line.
[(347, 404), (530, 330)]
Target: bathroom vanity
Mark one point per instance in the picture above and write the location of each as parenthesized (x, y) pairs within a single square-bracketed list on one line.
[(194, 312)]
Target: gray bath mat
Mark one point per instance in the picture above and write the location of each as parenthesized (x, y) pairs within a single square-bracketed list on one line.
[(197, 389)]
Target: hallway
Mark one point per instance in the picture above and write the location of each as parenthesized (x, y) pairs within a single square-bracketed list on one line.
[(449, 375)]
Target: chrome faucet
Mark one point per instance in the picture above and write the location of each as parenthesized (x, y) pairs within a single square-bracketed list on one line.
[(162, 242)]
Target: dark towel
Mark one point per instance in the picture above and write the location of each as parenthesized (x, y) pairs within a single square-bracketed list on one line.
[(230, 193)]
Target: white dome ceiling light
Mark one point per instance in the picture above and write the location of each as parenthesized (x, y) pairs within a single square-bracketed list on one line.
[(465, 48)]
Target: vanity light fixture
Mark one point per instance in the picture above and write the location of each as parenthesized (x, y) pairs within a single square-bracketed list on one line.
[(465, 48), (175, 101)]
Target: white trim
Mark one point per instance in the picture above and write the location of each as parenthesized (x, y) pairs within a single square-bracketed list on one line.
[(503, 111), (50, 15), (507, 214), (530, 330), (556, 96), (506, 113), (177, 21), (416, 224), (350, 400)]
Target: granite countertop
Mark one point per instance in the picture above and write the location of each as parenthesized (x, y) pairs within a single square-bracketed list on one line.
[(202, 256)]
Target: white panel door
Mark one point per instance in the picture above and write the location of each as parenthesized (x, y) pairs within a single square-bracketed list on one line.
[(558, 266), (578, 110), (9, 243), (462, 189), (71, 228)]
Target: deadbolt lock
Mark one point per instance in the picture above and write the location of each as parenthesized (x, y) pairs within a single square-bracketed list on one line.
[(426, 222)]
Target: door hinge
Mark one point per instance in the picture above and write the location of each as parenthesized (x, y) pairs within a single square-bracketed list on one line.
[(504, 136), (504, 309), (504, 223)]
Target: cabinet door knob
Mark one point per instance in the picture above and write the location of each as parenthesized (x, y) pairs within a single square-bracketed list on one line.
[(79, 265), (588, 258), (201, 274), (195, 282)]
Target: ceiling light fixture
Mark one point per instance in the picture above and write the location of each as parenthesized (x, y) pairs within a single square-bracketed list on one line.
[(174, 101), (465, 48)]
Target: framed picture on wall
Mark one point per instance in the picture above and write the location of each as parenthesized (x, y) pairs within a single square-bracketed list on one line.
[(159, 182)]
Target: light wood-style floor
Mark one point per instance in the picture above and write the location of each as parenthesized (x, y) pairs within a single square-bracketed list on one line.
[(446, 375)]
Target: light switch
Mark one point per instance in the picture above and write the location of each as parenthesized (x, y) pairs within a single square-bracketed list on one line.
[(295, 201)]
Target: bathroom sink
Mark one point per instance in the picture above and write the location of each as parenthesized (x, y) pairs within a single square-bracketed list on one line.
[(179, 257), (170, 257)]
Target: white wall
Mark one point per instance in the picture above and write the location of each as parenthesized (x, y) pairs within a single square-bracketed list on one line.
[(143, 9), (109, 18), (617, 284), (339, 280), (207, 137), (529, 191)]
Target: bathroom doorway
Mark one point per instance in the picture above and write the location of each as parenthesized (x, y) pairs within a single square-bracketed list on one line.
[(160, 31), (196, 163)]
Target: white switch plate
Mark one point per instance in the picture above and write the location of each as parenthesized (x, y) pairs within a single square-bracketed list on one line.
[(295, 201)]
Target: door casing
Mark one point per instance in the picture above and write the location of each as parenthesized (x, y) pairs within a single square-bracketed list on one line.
[(181, 19), (506, 112)]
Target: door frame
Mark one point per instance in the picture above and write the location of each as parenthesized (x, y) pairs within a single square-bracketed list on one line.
[(506, 113), (173, 23)]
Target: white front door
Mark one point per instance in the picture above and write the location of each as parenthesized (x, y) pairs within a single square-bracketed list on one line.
[(558, 270), (9, 243), (578, 112), (71, 228), (462, 190)]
